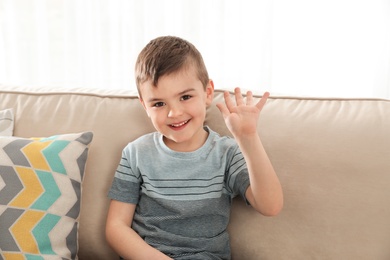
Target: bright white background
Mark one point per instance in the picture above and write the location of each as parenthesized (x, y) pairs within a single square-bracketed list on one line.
[(338, 48)]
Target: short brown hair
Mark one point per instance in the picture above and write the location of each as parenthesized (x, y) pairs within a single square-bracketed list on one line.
[(165, 55)]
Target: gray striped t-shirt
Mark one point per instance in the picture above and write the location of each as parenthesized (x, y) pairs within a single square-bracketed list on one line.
[(183, 198)]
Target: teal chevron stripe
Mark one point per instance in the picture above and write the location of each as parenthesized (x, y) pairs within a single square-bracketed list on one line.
[(49, 138), (51, 194), (52, 155), (41, 233)]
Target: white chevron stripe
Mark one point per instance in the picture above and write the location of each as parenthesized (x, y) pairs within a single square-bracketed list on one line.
[(2, 209), (70, 155), (2, 183), (4, 158), (68, 196), (58, 236), (52, 257)]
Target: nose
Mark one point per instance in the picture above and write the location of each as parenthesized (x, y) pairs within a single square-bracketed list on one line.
[(175, 110)]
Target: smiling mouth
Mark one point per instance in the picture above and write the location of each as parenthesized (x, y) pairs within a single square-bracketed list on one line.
[(179, 124)]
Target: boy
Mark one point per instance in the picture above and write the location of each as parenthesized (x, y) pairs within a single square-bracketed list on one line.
[(172, 191)]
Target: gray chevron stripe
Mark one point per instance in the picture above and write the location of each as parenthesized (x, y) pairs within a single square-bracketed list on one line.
[(7, 219), (81, 162), (13, 150), (70, 241), (75, 210), (12, 187), (85, 138)]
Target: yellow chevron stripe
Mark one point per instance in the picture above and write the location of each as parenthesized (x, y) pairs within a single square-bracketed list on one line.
[(32, 188), (13, 256), (36, 159), (21, 231)]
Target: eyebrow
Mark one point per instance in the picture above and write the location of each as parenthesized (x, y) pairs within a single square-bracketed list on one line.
[(178, 94)]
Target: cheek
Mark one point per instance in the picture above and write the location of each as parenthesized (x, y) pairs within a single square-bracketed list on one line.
[(200, 110), (157, 116), (151, 112)]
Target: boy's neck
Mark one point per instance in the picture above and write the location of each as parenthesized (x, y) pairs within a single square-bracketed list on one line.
[(190, 146)]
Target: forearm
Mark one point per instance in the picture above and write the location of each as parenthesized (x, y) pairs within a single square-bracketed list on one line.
[(129, 245), (265, 192)]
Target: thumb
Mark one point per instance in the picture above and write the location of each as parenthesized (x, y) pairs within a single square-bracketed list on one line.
[(223, 109)]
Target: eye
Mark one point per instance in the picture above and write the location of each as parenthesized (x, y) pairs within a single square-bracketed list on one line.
[(158, 104), (185, 97)]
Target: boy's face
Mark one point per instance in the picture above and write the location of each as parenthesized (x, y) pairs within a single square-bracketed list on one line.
[(177, 108)]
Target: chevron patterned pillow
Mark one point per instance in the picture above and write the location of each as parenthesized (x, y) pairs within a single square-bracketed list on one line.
[(6, 122), (40, 192)]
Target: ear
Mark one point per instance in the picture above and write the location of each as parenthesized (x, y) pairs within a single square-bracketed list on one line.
[(209, 92), (143, 105)]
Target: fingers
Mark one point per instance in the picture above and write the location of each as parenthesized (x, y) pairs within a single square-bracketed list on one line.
[(239, 97), (249, 98), (224, 108), (228, 100), (230, 105), (262, 101)]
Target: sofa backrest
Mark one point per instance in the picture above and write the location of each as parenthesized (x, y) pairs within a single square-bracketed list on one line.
[(332, 157)]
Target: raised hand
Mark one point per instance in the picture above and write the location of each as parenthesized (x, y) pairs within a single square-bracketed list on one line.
[(241, 116)]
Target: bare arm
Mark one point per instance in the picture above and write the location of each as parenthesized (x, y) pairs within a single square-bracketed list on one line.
[(264, 193), (122, 238)]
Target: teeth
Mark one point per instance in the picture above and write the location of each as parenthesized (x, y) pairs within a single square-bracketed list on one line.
[(178, 125)]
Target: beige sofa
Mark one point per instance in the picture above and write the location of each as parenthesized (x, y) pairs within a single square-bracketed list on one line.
[(332, 157)]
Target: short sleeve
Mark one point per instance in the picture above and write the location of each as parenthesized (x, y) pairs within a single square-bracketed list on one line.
[(237, 178), (126, 184)]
